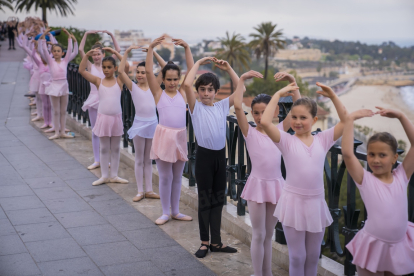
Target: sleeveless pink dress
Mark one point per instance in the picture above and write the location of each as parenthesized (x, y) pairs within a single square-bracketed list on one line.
[(93, 99), (170, 139), (386, 242), (145, 121), (109, 119), (265, 182)]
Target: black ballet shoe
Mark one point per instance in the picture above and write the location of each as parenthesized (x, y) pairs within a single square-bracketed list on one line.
[(220, 248), (201, 253)]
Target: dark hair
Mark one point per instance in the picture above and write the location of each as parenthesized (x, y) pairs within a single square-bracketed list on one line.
[(206, 79), (261, 98), (141, 64), (386, 138), (57, 45), (309, 103), (170, 66), (98, 45), (111, 59)]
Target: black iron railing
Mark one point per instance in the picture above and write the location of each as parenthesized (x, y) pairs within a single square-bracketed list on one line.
[(238, 170)]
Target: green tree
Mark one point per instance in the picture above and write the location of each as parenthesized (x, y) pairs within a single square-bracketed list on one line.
[(64, 7), (165, 53), (267, 41), (234, 51), (6, 3)]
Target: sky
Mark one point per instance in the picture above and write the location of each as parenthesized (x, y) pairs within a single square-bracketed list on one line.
[(367, 21)]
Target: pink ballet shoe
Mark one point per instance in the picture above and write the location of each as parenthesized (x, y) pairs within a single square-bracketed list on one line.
[(56, 136), (138, 197), (162, 220), (95, 165), (52, 129), (44, 126), (32, 104), (68, 136), (100, 181), (117, 179), (37, 119), (182, 217), (34, 113), (152, 195)]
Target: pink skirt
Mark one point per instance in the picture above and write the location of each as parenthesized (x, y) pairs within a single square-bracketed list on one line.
[(303, 209), (44, 82), (58, 88), (169, 144), (108, 125), (34, 81), (263, 190), (92, 101), (377, 255)]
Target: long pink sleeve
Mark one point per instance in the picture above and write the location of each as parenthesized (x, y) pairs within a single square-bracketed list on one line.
[(75, 51), (44, 53), (69, 51)]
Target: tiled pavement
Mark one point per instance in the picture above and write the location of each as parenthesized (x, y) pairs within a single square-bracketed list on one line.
[(53, 222)]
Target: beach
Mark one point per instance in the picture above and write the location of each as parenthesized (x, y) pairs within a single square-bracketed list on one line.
[(366, 96)]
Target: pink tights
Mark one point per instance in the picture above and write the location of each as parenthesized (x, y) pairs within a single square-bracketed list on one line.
[(39, 105), (93, 113), (59, 104), (170, 185), (47, 109), (304, 250), (364, 272), (263, 226), (110, 152), (143, 166)]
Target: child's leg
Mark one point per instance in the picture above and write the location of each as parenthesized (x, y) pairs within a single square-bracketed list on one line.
[(270, 228), (257, 213), (47, 116), (165, 174), (64, 100), (139, 145), (115, 155), (313, 250), (93, 113), (56, 115), (39, 107), (365, 272), (148, 166), (297, 250), (177, 170), (105, 143), (217, 200)]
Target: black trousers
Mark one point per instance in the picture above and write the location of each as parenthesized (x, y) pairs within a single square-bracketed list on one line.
[(210, 173), (11, 41)]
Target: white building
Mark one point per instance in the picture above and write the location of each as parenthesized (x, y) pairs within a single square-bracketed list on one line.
[(132, 37)]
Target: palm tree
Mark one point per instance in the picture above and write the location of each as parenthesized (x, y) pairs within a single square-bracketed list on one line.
[(6, 3), (234, 52), (63, 6), (266, 42)]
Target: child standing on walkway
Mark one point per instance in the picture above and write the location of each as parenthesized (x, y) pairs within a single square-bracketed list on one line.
[(382, 248)]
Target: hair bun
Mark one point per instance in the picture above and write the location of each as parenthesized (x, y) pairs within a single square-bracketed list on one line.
[(170, 62)]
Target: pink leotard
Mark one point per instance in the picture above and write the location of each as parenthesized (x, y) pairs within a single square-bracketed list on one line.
[(109, 99), (172, 111), (144, 102), (386, 243), (57, 70)]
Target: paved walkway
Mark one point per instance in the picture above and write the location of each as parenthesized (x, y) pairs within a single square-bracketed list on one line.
[(52, 221)]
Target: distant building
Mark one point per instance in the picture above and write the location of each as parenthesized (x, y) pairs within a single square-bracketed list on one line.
[(132, 37)]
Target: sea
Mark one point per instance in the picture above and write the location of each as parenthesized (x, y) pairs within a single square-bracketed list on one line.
[(407, 93)]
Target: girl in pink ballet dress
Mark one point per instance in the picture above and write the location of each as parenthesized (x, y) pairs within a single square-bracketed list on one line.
[(302, 208), (385, 245), (169, 145), (265, 183), (92, 102), (108, 126)]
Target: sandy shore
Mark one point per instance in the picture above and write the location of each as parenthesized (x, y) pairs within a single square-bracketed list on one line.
[(369, 97)]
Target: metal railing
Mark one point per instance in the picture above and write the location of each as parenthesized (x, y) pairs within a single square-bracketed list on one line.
[(238, 170)]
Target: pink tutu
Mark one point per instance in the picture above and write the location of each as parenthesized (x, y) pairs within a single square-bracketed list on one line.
[(143, 127), (108, 125), (92, 101), (303, 209), (34, 81), (377, 255), (169, 144), (263, 190), (58, 88)]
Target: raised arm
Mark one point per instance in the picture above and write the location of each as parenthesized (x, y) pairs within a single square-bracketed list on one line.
[(70, 46), (271, 130), (238, 100), (121, 70), (152, 81), (34, 57), (340, 108), (225, 66), (44, 52), (74, 51), (188, 55), (408, 162), (82, 69), (295, 95), (352, 163)]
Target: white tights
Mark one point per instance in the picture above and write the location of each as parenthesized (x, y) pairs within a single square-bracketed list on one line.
[(263, 226), (304, 250), (59, 105), (365, 272), (143, 166), (110, 152)]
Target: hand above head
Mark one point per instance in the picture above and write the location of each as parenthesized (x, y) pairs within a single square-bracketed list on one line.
[(109, 49), (93, 51), (65, 31), (144, 49), (156, 42), (92, 32), (180, 42), (362, 113), (222, 64), (390, 113), (326, 91), (287, 90), (205, 60), (132, 47), (251, 74), (282, 76), (73, 38)]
